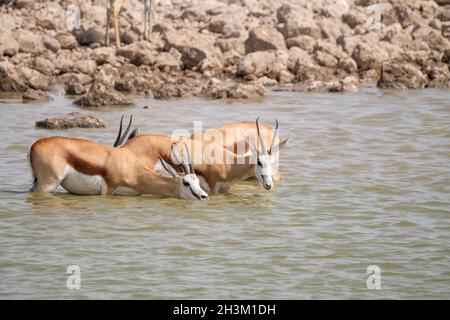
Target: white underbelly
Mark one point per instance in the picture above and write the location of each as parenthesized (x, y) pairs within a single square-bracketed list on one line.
[(79, 183), (125, 191)]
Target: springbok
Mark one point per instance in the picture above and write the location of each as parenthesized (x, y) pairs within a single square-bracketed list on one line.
[(114, 7), (84, 167), (256, 137), (225, 170)]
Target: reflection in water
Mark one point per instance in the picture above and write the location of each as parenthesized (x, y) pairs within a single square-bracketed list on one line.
[(366, 181)]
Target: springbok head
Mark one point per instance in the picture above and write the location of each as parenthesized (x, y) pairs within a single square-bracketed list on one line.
[(266, 158), (189, 184)]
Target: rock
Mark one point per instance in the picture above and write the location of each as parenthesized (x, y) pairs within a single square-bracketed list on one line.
[(168, 60), (399, 75), (303, 42), (104, 55), (73, 88), (86, 66), (36, 95), (168, 91), (406, 16), (445, 27), (89, 36), (67, 41), (107, 74), (43, 65), (35, 79), (216, 90), (139, 53), (233, 44), (29, 41), (311, 72), (353, 19), (296, 21), (100, 95), (263, 63), (265, 81), (51, 44), (133, 84), (230, 25), (439, 76), (348, 65), (193, 46), (264, 38), (8, 44), (367, 56), (10, 79), (71, 77), (211, 67), (349, 84), (325, 59), (77, 121)]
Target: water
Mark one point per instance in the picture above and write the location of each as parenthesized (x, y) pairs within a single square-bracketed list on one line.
[(366, 182)]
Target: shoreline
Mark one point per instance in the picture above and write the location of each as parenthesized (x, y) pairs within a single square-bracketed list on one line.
[(223, 49)]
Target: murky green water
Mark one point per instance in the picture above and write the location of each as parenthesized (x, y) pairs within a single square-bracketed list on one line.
[(366, 182)]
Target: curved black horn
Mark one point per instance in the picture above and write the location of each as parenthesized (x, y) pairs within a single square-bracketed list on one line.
[(182, 164), (191, 167), (119, 134), (124, 136), (263, 146), (274, 138)]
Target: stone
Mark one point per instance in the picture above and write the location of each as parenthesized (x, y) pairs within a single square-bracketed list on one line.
[(107, 74), (139, 53), (36, 95), (51, 44), (67, 41), (43, 65), (217, 90), (89, 36), (264, 38), (303, 42), (193, 46), (399, 75), (85, 66), (100, 95), (77, 121), (8, 44), (29, 41), (73, 88), (268, 63)]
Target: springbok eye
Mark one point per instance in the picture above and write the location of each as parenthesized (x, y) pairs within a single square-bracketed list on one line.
[(259, 163), (186, 184)]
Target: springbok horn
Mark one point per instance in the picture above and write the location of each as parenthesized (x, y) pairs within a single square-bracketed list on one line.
[(116, 143), (124, 136), (164, 164), (263, 146), (182, 164), (191, 167), (275, 135)]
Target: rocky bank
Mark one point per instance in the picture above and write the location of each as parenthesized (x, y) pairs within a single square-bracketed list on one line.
[(236, 49)]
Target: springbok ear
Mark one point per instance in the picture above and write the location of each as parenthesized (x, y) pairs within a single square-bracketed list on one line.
[(134, 133), (167, 167), (283, 143)]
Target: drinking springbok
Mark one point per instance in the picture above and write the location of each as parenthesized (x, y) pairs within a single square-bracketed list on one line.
[(84, 167)]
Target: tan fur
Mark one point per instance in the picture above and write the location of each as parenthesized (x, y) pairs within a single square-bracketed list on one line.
[(118, 167), (146, 147)]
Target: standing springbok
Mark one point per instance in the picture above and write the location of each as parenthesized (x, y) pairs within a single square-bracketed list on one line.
[(114, 7), (85, 167), (222, 172)]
